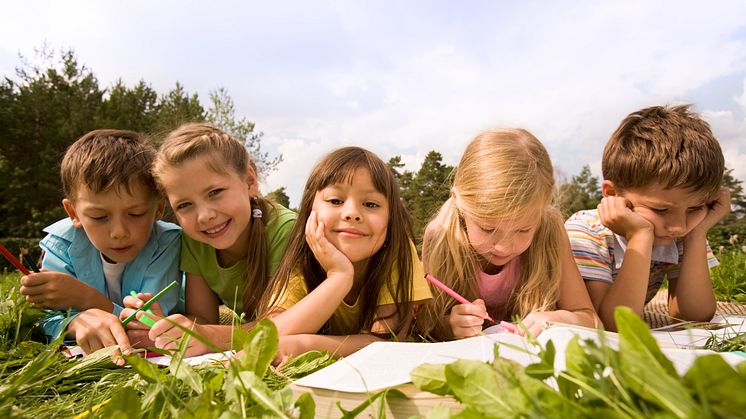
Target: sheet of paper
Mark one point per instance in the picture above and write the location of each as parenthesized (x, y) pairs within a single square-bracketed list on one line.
[(387, 364)]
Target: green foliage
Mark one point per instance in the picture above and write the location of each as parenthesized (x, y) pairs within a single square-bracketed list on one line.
[(636, 381), (279, 196), (49, 105), (737, 196), (424, 191), (581, 193), (729, 279)]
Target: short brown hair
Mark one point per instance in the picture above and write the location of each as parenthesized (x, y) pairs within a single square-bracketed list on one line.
[(106, 158), (669, 145)]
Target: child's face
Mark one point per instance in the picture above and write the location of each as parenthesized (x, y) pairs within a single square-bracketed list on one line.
[(211, 207), (116, 222), (355, 215), (673, 212), (498, 241)]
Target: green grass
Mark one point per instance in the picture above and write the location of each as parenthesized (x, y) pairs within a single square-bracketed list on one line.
[(729, 279)]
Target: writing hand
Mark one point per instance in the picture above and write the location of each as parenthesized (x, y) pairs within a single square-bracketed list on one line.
[(466, 320)]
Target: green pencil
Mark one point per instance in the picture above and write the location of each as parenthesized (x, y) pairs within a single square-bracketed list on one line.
[(148, 303)]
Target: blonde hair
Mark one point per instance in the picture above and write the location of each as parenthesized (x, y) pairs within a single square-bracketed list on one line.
[(105, 159), (670, 145), (223, 153), (503, 174), (395, 255)]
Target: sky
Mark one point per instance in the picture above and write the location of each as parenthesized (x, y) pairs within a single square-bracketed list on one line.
[(405, 78)]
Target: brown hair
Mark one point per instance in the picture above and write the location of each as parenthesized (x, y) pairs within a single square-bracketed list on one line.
[(395, 254), (223, 153), (503, 174), (105, 159), (669, 145)]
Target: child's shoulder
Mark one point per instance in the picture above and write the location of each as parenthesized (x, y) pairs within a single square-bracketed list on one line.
[(166, 232), (587, 222), (62, 230)]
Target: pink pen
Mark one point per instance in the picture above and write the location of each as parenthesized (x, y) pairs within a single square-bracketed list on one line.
[(451, 292)]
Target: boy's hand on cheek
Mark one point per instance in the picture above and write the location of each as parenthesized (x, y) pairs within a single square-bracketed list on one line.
[(331, 259), (58, 291), (717, 209), (616, 214)]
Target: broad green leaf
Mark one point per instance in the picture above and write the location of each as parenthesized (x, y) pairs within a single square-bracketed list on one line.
[(474, 383), (305, 406), (718, 385), (646, 371), (259, 346), (186, 374), (432, 378)]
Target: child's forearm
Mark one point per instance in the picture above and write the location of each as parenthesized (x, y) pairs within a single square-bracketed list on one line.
[(631, 284), (338, 346), (690, 295), (310, 313)]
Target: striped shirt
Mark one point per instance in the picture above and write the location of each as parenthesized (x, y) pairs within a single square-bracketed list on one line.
[(594, 245)]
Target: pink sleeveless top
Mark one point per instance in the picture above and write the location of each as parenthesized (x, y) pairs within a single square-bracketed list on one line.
[(496, 289)]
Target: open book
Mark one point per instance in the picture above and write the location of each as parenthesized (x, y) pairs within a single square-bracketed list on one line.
[(383, 365)]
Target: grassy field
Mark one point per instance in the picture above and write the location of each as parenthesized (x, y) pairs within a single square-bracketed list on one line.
[(36, 380)]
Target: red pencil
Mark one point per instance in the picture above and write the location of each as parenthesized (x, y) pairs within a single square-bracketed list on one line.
[(13, 260)]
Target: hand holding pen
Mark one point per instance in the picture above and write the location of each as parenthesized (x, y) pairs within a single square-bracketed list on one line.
[(467, 318)]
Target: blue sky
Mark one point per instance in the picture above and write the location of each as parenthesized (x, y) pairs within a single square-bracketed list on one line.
[(404, 78)]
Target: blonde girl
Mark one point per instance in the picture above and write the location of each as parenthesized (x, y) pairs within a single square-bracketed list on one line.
[(351, 274), (500, 243), (233, 239)]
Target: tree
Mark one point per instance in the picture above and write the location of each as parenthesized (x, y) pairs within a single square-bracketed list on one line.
[(175, 108), (279, 196), (425, 191), (582, 192), (134, 109), (43, 113), (222, 114)]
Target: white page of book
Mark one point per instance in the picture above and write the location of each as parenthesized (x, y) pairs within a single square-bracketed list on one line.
[(382, 365), (387, 364)]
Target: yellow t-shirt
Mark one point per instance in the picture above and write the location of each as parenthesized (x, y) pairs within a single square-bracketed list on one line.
[(344, 321)]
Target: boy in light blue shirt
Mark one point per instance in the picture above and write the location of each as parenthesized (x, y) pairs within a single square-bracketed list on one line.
[(111, 244)]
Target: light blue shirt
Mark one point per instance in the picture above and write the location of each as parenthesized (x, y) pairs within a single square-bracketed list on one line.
[(67, 249)]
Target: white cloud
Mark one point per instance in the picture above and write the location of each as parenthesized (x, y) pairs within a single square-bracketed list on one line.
[(405, 78)]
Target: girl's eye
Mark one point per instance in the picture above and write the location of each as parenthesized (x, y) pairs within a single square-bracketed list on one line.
[(524, 231), (215, 192), (659, 210), (334, 201), (371, 205), (98, 218), (697, 208), (182, 206), (487, 229), (137, 214)]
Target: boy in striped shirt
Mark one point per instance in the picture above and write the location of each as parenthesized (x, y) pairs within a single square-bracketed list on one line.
[(662, 172)]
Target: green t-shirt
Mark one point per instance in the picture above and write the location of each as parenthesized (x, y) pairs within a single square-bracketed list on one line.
[(228, 283)]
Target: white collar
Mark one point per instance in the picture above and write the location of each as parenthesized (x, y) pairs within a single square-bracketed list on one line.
[(668, 253)]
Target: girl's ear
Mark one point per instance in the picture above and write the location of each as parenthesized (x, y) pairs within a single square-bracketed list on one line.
[(252, 180), (608, 188), (70, 210)]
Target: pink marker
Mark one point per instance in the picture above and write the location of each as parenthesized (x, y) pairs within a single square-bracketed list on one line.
[(452, 293)]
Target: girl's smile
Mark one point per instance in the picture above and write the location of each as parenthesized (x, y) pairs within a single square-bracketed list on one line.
[(211, 207), (355, 214)]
